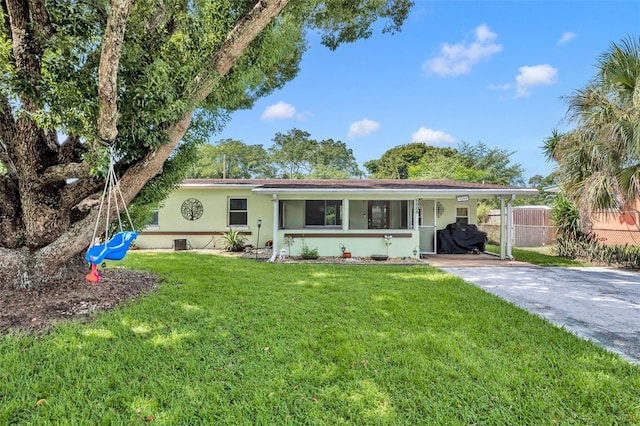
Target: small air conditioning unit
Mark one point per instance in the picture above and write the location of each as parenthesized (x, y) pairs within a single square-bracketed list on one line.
[(180, 244)]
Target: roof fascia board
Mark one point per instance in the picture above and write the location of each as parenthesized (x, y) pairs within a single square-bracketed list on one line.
[(219, 185), (397, 191)]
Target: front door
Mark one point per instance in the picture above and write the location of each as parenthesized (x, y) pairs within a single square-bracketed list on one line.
[(427, 226), (378, 214)]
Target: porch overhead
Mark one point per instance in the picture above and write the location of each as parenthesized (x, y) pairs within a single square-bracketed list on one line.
[(437, 187)]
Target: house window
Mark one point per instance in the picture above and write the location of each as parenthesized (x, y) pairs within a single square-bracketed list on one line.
[(462, 215), (323, 213), (238, 215), (154, 217)]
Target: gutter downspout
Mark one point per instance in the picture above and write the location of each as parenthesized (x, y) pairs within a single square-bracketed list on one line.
[(274, 237), (510, 226)]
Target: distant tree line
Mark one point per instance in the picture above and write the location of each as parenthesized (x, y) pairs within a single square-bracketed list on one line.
[(293, 155), (467, 162)]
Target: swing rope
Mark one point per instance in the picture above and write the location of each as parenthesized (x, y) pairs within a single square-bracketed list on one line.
[(124, 206), (111, 189), (116, 247)]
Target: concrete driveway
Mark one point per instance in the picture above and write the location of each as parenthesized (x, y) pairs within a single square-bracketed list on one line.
[(599, 304)]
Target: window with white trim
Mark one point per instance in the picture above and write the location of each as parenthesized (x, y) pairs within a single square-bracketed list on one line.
[(462, 215), (154, 218), (238, 212)]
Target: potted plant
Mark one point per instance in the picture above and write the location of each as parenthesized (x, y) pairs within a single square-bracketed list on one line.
[(308, 253), (388, 240)]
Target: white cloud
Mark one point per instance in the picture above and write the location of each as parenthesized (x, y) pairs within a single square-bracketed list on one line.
[(431, 137), (538, 75), (567, 37), (279, 111), (458, 58), (362, 128)]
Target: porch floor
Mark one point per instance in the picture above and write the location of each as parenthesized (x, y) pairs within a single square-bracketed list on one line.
[(469, 260)]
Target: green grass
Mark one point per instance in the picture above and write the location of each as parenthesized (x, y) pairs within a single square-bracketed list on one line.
[(538, 257), (238, 342)]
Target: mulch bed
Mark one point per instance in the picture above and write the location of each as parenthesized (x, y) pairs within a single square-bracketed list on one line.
[(35, 309), (265, 255)]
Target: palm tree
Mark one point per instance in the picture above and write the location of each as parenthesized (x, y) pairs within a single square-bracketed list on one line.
[(599, 160)]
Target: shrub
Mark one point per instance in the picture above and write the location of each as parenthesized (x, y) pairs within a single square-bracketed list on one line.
[(305, 251), (234, 240), (566, 217)]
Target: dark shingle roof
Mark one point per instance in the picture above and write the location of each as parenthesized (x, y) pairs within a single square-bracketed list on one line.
[(396, 184)]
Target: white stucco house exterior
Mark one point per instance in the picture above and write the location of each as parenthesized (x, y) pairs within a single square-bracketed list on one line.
[(325, 214)]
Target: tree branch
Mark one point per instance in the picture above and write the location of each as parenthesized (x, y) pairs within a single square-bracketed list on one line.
[(160, 18), (71, 150), (26, 50), (245, 31), (79, 190), (40, 15), (108, 70), (65, 171)]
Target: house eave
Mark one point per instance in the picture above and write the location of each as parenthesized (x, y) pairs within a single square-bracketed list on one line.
[(433, 188), (220, 185), (414, 192)]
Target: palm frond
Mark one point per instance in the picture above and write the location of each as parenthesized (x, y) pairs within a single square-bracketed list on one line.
[(629, 183)]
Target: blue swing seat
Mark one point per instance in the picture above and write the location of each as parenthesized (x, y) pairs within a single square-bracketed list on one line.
[(115, 249)]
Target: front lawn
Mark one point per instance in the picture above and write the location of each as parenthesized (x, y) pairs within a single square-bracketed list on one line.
[(230, 341), (537, 258)]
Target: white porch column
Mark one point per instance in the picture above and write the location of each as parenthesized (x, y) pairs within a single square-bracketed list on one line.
[(509, 226), (503, 233), (276, 221), (345, 214)]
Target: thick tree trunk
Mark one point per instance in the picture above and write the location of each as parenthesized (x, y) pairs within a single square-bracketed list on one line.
[(23, 269), (40, 243)]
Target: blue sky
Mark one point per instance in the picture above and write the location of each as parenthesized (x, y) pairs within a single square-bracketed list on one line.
[(489, 71)]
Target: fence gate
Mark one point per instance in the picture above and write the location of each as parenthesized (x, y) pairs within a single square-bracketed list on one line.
[(532, 226)]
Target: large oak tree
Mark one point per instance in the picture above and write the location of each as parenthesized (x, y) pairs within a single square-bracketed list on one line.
[(139, 77)]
